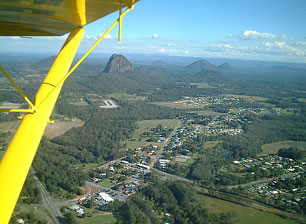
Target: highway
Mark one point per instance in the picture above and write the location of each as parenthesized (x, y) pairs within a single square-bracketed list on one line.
[(168, 176), (49, 205)]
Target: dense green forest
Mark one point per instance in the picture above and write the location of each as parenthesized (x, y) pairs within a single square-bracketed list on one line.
[(172, 202)]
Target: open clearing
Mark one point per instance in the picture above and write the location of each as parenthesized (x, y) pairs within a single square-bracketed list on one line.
[(274, 147), (207, 113), (302, 100), (60, 127), (244, 215), (255, 98), (10, 126), (211, 144), (174, 105), (146, 125), (203, 85), (98, 219)]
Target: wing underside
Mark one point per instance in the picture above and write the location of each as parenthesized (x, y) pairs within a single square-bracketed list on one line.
[(52, 17)]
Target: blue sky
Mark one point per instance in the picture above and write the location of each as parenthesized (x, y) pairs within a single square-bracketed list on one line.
[(248, 29)]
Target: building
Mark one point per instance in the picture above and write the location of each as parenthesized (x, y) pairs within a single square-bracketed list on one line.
[(104, 196), (143, 166)]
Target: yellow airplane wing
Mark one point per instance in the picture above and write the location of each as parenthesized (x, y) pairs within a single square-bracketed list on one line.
[(52, 17), (44, 18)]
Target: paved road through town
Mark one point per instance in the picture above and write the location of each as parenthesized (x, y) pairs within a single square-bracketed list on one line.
[(48, 203), (161, 151)]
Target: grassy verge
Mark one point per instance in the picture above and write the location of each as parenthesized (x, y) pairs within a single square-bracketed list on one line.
[(98, 219), (244, 215)]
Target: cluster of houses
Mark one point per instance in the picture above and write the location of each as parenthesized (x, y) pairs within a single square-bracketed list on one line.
[(206, 101), (294, 195), (221, 131), (270, 162), (131, 188)]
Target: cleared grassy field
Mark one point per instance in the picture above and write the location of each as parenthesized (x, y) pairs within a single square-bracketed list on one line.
[(106, 183), (147, 125), (211, 144), (9, 126), (255, 98), (125, 96), (82, 103), (174, 105), (99, 219), (203, 85), (207, 112), (302, 100), (244, 215), (60, 127), (274, 147)]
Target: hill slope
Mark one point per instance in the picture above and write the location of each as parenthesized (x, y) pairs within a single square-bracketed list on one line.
[(200, 65), (225, 67), (211, 77)]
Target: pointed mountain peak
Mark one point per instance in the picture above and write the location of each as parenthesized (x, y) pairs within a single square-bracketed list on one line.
[(225, 67), (118, 64), (201, 65)]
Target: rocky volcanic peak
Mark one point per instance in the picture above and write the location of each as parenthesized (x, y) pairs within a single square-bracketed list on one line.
[(225, 66), (118, 64)]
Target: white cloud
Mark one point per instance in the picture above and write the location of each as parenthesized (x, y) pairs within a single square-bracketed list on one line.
[(108, 36), (254, 35), (151, 46), (279, 48), (162, 50), (302, 43), (170, 45), (186, 52), (155, 36), (272, 50)]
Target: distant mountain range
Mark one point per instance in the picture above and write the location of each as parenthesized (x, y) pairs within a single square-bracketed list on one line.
[(200, 65), (46, 62)]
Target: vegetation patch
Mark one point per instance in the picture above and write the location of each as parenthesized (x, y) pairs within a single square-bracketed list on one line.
[(274, 147), (98, 219), (203, 85)]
